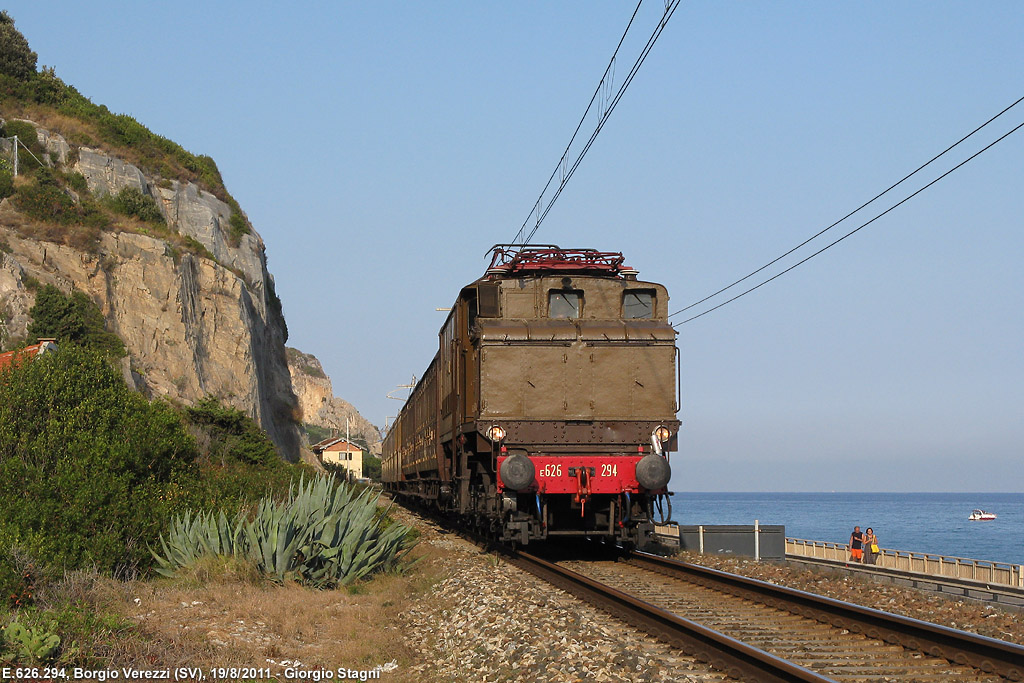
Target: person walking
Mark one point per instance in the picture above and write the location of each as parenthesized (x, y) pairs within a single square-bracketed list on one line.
[(871, 549), (856, 545)]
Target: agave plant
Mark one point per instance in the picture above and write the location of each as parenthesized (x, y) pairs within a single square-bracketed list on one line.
[(324, 535), (191, 537)]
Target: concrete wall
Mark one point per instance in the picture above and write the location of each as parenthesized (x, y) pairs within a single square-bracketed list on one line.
[(731, 539)]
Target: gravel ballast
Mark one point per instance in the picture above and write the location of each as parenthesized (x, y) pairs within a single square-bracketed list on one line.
[(486, 620)]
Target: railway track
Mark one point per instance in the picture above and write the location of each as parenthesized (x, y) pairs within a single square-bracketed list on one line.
[(758, 631)]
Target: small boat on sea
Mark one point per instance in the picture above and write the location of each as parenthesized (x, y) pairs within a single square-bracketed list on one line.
[(981, 516)]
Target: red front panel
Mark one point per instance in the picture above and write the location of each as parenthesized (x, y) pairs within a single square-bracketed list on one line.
[(561, 474)]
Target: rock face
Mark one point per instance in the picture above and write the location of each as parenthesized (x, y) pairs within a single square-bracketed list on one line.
[(188, 209), (193, 326), (320, 406)]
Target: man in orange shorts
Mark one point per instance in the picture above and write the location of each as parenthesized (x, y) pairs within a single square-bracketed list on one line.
[(856, 545)]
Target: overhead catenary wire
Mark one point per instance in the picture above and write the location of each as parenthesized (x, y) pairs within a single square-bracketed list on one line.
[(567, 172), (857, 229), (862, 206), (593, 98), (615, 101)]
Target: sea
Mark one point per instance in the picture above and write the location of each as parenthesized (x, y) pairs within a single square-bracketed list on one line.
[(919, 522)]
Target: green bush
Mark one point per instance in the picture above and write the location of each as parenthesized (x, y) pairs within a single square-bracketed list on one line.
[(91, 215), (197, 247), (239, 226), (77, 182), (231, 486), (74, 319), (233, 434), (371, 467), (45, 200), (237, 462), (6, 183), (85, 462), (131, 201), (31, 158), (26, 133), (16, 59), (316, 433)]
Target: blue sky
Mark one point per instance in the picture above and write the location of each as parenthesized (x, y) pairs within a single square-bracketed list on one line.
[(381, 148)]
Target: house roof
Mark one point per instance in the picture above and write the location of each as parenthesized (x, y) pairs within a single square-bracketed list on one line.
[(27, 353), (335, 444)]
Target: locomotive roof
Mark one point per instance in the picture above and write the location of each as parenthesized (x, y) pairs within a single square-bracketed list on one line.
[(539, 259)]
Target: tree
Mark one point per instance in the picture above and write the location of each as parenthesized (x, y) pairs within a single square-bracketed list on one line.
[(371, 467), (234, 436), (75, 319), (85, 462), (16, 59)]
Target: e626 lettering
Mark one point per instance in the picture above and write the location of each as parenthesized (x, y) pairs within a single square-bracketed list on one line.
[(551, 470)]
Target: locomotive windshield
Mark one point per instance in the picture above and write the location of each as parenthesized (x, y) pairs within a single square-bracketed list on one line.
[(638, 303), (564, 304)]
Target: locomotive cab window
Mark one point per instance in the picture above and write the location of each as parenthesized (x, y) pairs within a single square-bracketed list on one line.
[(638, 303), (563, 303), (489, 300)]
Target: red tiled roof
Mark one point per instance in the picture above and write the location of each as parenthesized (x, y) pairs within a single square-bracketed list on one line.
[(335, 444), (27, 353)]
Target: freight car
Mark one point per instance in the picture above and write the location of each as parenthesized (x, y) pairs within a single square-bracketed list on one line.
[(550, 407)]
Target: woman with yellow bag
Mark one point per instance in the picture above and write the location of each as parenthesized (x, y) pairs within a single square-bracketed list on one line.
[(870, 546)]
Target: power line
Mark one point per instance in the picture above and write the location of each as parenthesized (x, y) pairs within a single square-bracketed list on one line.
[(603, 89), (601, 84), (865, 204), (857, 229)]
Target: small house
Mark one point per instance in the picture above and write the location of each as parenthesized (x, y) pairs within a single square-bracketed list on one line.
[(341, 452)]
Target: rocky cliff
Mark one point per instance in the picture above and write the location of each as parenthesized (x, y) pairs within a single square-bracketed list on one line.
[(319, 405), (197, 321)]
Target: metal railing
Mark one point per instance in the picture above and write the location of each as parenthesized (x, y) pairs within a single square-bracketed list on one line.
[(928, 564)]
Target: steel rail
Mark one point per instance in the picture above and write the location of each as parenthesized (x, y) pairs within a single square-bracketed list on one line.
[(735, 658), (987, 654)]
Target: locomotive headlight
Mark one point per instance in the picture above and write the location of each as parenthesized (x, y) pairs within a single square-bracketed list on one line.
[(496, 433), (663, 434)]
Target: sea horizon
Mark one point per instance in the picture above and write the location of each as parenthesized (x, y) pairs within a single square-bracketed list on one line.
[(913, 521)]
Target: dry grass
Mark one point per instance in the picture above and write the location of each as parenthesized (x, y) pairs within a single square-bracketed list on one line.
[(87, 238), (223, 613), (71, 129)]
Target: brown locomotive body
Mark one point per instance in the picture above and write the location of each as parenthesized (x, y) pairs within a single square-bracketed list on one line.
[(550, 407)]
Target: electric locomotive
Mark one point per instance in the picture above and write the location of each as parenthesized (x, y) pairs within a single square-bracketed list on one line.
[(550, 407)]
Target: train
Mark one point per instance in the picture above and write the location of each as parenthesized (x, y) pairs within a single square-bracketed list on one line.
[(549, 409)]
